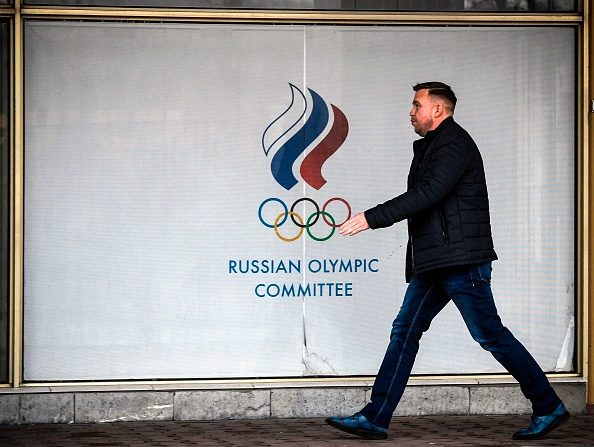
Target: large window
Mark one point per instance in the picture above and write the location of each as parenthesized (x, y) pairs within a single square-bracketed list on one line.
[(4, 194), (353, 5), (161, 158)]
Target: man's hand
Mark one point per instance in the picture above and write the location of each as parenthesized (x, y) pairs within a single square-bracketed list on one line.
[(354, 225)]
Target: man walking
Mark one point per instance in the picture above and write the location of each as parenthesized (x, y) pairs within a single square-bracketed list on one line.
[(449, 255)]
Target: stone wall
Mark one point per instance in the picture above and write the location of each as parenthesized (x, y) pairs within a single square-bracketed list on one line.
[(196, 402)]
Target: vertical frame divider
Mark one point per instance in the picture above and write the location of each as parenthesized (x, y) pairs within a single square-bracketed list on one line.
[(17, 202)]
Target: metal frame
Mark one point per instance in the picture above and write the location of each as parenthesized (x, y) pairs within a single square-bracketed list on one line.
[(288, 16), (586, 332), (581, 21)]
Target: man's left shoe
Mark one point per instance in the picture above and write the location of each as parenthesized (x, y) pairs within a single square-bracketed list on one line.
[(541, 425), (359, 425)]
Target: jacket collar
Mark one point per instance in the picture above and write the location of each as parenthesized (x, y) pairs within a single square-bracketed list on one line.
[(430, 136), (433, 133)]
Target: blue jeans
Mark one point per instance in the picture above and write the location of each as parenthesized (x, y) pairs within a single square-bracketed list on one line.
[(469, 287)]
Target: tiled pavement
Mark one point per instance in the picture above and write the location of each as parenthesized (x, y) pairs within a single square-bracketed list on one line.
[(405, 431)]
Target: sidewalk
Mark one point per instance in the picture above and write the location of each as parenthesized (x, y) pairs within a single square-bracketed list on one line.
[(437, 431)]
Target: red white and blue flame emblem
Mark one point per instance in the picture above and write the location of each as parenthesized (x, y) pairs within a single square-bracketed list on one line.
[(322, 118)]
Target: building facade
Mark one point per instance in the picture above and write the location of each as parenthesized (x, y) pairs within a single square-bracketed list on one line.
[(173, 174)]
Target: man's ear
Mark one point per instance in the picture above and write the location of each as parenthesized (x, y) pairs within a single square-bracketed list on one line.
[(438, 110)]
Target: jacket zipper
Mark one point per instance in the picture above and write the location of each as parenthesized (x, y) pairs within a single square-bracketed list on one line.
[(412, 254), (444, 227)]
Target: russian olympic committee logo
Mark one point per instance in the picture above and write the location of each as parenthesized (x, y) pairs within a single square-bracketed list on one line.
[(299, 221), (308, 124)]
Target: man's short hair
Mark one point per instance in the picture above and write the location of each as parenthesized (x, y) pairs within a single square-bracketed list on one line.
[(440, 90)]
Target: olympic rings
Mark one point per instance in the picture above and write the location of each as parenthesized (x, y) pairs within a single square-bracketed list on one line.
[(292, 214), (305, 199), (272, 199), (317, 214), (340, 199), (299, 221)]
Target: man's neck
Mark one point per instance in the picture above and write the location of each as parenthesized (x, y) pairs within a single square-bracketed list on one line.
[(436, 126)]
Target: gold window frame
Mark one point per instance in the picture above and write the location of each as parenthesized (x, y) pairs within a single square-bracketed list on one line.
[(582, 21)]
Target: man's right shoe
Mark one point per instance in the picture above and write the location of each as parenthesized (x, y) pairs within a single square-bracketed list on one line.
[(359, 425)]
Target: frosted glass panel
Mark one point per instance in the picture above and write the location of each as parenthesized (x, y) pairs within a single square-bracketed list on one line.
[(160, 159)]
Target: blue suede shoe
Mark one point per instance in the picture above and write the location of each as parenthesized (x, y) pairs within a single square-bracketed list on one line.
[(541, 425), (358, 424)]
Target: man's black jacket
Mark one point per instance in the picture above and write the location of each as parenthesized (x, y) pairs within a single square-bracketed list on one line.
[(446, 203)]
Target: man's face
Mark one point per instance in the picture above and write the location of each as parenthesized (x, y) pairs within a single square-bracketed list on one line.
[(421, 114)]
